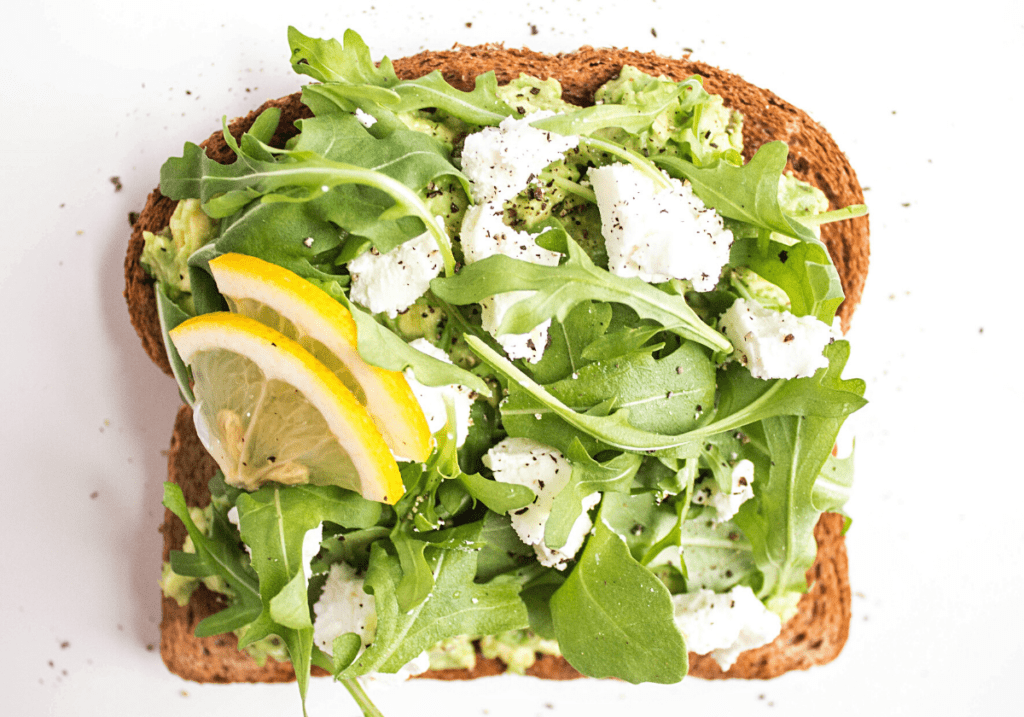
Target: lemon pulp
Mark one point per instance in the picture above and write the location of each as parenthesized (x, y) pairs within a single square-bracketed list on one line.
[(284, 301), (271, 412)]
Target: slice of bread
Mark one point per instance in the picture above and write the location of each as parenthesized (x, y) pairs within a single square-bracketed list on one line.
[(818, 631)]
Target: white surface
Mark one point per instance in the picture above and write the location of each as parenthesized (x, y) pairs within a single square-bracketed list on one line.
[(921, 100)]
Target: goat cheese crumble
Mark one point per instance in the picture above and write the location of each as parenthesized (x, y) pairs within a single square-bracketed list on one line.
[(728, 504), (432, 398), (545, 471), (343, 607), (484, 234), (501, 161), (776, 344), (390, 283), (366, 120), (658, 235), (724, 624)]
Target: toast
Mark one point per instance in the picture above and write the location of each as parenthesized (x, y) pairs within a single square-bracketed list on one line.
[(816, 634)]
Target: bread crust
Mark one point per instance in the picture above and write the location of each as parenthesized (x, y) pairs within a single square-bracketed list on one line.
[(818, 631)]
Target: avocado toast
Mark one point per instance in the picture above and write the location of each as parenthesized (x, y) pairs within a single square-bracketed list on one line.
[(816, 625)]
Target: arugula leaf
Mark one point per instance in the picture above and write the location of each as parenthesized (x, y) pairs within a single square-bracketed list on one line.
[(481, 106), (536, 594), (832, 486), (502, 550), (749, 192), (417, 581), (825, 394), (330, 61), (588, 476), (804, 271), (622, 342), (558, 289), (274, 521), (780, 523), (303, 177), (457, 606), (613, 617), (500, 498), (170, 315), (570, 341), (411, 157), (744, 399), (717, 555), (646, 522), (351, 64), (217, 557), (277, 232), (661, 395)]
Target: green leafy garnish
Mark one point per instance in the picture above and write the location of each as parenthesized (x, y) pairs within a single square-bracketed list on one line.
[(613, 617), (273, 523), (457, 606), (749, 193), (558, 289)]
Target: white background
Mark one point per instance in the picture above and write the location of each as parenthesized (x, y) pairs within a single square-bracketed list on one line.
[(926, 105)]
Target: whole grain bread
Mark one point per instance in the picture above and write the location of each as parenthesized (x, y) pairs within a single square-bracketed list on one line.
[(816, 634)]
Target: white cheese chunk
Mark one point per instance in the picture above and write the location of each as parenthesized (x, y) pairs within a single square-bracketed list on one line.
[(776, 344), (501, 161), (311, 547), (529, 346), (724, 624), (343, 607), (484, 234), (432, 398), (545, 471), (390, 283), (366, 120), (658, 235), (727, 504)]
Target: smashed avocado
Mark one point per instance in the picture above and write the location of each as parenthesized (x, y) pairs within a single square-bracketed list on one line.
[(166, 253), (696, 126)]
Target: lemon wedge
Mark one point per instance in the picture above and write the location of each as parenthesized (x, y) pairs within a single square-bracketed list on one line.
[(272, 412), (306, 313)]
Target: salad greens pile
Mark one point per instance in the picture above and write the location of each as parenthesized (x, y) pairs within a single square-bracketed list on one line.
[(636, 387)]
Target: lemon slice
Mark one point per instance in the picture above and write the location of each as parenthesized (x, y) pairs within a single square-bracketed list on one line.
[(302, 311), (272, 412)]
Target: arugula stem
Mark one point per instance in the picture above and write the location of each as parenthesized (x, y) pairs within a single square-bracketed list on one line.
[(570, 186), (405, 196), (644, 165), (362, 699), (836, 215), (740, 286), (454, 314), (326, 174)]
